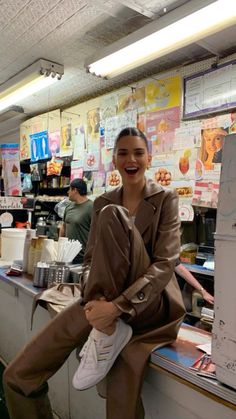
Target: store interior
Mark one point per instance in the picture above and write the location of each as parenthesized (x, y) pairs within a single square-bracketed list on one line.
[(184, 100)]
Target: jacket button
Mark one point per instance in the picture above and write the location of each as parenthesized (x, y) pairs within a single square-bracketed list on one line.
[(141, 295)]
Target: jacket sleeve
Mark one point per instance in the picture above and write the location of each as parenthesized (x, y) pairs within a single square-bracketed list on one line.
[(166, 245), (89, 247)]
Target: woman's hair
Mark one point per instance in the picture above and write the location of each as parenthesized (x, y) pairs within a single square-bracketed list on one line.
[(133, 132)]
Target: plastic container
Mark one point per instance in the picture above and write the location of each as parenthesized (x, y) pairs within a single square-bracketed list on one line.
[(12, 243), (38, 249), (29, 234), (30, 264)]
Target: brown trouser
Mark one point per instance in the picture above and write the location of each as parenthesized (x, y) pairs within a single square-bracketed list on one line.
[(119, 257)]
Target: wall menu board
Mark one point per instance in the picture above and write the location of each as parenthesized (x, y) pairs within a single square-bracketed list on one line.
[(211, 91)]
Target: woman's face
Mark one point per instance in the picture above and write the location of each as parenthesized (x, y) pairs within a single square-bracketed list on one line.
[(131, 158), (213, 141)]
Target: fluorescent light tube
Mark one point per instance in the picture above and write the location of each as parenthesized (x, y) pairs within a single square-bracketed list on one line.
[(189, 29), (27, 90), (42, 73)]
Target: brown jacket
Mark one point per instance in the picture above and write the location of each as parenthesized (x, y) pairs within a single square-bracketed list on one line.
[(153, 299)]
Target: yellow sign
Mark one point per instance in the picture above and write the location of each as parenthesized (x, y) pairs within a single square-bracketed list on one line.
[(163, 94)]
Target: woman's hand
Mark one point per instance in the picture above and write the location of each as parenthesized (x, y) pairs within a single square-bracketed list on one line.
[(102, 315), (207, 297)]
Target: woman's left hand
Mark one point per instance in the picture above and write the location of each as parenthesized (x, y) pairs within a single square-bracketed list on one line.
[(101, 314), (207, 297)]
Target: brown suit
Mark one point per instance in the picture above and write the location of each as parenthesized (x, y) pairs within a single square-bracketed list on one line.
[(132, 266)]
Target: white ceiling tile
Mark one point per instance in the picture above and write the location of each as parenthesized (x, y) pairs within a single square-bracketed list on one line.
[(70, 31)]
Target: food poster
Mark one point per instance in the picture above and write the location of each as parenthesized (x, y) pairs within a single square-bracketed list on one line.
[(162, 174), (76, 170), (99, 182), (114, 125), (184, 188), (39, 146), (54, 166), (160, 129), (108, 108), (186, 211), (79, 145), (133, 100), (206, 193), (66, 145), (93, 128), (113, 179), (91, 160), (185, 164), (106, 155), (211, 147), (163, 94), (11, 169), (54, 142), (188, 135), (141, 121), (25, 150)]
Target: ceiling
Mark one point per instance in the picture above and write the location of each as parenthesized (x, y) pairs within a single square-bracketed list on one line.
[(70, 31)]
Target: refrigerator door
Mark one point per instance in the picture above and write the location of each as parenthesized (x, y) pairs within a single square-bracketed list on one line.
[(224, 327), (226, 210)]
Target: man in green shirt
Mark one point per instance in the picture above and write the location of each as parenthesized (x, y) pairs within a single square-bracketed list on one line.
[(77, 216)]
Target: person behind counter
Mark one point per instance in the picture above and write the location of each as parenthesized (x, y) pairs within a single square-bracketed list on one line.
[(128, 287), (77, 216), (184, 273)]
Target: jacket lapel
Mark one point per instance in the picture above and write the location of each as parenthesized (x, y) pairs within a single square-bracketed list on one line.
[(146, 208), (144, 216)]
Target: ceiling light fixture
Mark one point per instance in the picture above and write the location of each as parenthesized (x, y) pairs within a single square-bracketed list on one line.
[(173, 31), (31, 80)]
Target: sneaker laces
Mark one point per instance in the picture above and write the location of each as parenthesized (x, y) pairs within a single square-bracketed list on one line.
[(95, 351)]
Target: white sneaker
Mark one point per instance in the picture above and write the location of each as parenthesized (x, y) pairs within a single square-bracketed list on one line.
[(99, 354)]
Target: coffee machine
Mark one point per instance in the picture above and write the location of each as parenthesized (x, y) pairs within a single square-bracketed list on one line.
[(47, 227)]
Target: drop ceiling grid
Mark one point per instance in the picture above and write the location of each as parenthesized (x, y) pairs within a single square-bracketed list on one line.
[(55, 45), (49, 33), (41, 31), (66, 34), (24, 22), (9, 10)]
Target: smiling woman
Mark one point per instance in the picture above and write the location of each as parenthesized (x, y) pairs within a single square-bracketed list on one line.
[(131, 158), (130, 303)]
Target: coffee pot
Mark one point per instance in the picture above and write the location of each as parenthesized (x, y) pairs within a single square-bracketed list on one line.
[(41, 226)]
